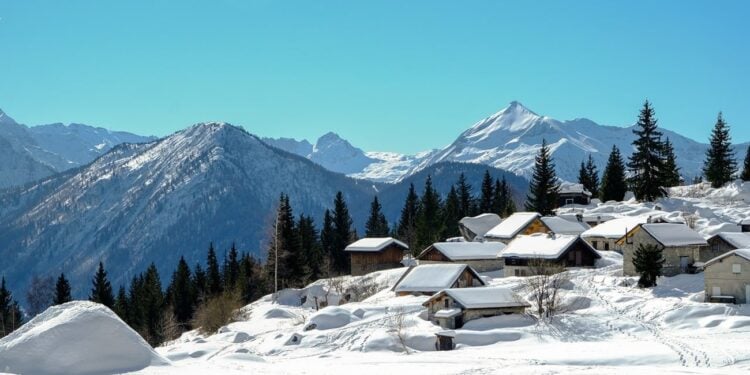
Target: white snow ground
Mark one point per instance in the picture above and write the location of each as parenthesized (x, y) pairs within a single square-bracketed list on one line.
[(610, 327)]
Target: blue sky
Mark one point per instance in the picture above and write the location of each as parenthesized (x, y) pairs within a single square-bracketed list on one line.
[(387, 75)]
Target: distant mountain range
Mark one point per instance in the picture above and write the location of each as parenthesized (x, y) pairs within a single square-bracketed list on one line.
[(508, 140), (157, 201), (31, 153)]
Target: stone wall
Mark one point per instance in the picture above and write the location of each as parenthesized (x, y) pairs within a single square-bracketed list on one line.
[(720, 274)]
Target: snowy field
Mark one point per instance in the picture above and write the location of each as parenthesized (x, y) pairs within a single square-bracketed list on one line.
[(609, 325)]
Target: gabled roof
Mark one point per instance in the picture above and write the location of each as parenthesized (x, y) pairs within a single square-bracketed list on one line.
[(573, 188), (542, 246), (743, 253), (615, 228), (432, 278), (480, 224), (672, 235), (482, 298), (512, 225), (466, 250), (739, 240), (374, 244), (563, 226)]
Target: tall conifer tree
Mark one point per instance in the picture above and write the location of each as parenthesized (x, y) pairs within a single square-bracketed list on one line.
[(671, 175), (465, 198), (102, 289), (214, 285), (720, 164), (62, 291), (377, 225), (646, 164), (407, 225), (429, 218), (613, 186), (11, 316), (451, 215), (487, 193), (745, 176), (343, 233), (544, 186), (181, 292)]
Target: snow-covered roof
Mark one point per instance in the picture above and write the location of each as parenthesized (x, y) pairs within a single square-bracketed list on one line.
[(745, 221), (539, 245), (739, 240), (562, 226), (512, 225), (573, 188), (674, 234), (432, 277), (615, 228), (480, 224), (374, 244), (448, 313), (483, 298), (468, 250), (743, 253)]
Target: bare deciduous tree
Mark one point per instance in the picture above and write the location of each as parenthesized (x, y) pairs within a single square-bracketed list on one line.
[(546, 286), (397, 324), (40, 294)]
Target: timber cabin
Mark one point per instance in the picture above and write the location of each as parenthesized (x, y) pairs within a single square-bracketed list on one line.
[(429, 279), (477, 226), (681, 247), (375, 254), (520, 223), (605, 235), (572, 193), (558, 225), (452, 308), (745, 225), (564, 250), (481, 256)]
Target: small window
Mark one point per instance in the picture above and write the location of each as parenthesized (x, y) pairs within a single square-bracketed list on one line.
[(606, 246), (736, 268), (595, 244), (447, 303), (569, 201), (716, 291)]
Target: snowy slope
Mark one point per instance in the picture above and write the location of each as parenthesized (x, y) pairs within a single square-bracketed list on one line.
[(31, 153), (609, 326), (154, 202)]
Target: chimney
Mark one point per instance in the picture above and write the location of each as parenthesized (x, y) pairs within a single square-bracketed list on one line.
[(579, 217), (551, 234)]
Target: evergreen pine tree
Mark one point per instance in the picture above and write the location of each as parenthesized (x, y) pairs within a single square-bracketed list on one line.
[(311, 248), (544, 186), (181, 292), (451, 215), (62, 291), (465, 198), (613, 186), (648, 262), (646, 164), (499, 199), (213, 275), (231, 269), (11, 316), (745, 176), (671, 173), (326, 241), (153, 304), (102, 289), (199, 283), (583, 176), (136, 306), (407, 225), (429, 218), (510, 202), (592, 177), (377, 225), (487, 193), (343, 234), (121, 304), (720, 164), (251, 286)]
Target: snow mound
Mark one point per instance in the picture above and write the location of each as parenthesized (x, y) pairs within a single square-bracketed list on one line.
[(76, 338), (329, 318)]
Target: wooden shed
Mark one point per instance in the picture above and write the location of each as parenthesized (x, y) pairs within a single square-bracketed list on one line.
[(481, 256), (565, 250), (429, 279), (376, 254), (572, 193), (452, 308), (520, 223)]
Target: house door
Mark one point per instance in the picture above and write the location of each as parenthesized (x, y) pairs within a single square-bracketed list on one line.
[(578, 258), (715, 291), (684, 264)]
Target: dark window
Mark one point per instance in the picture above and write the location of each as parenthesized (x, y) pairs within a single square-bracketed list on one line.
[(447, 303), (595, 244), (606, 246)]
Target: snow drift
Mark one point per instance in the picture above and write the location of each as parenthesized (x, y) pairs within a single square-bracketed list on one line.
[(76, 338)]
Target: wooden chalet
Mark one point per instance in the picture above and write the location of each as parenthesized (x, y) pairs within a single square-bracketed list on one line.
[(375, 254)]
